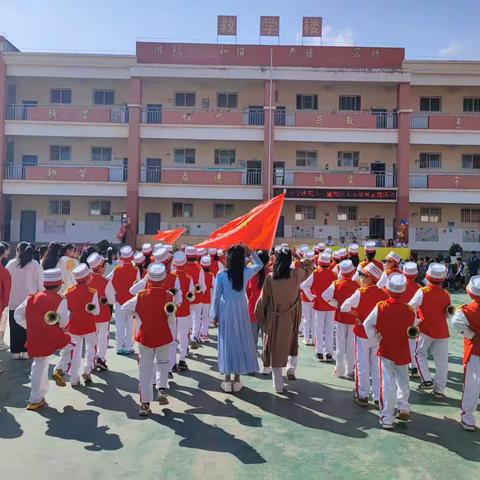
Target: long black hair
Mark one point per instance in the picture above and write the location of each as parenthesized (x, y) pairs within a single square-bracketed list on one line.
[(235, 266), (65, 248), (52, 256), (86, 253), (265, 258), (282, 265), (25, 253), (111, 253)]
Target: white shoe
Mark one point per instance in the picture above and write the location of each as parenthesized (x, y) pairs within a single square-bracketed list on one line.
[(17, 356), (267, 370), (226, 386), (3, 346), (386, 426), (25, 356), (468, 428), (237, 386)]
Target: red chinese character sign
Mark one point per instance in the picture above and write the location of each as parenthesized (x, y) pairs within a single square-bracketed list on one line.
[(269, 26), (227, 25), (312, 27)]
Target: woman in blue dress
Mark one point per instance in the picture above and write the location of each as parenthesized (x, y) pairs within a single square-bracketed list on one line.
[(237, 354)]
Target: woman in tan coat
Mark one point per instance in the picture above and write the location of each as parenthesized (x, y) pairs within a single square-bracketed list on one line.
[(279, 312)]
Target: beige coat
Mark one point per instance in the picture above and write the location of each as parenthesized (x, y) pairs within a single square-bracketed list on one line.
[(279, 312)]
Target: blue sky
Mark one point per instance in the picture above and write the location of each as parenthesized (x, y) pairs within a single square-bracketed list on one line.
[(436, 29)]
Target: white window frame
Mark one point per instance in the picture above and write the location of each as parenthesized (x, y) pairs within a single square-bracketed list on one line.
[(305, 212), (183, 207), (470, 215), (228, 95), (429, 161), (59, 206), (220, 156), (185, 99), (99, 208), (61, 149), (306, 158), (227, 210), (103, 91), (102, 152), (347, 213), (430, 215), (178, 150)]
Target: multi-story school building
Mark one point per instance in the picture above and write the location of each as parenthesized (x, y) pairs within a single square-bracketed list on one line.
[(365, 142)]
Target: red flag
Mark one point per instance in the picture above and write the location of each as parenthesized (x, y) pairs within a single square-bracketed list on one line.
[(256, 228), (169, 236)]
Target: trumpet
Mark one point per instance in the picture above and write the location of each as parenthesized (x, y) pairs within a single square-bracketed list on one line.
[(450, 309), (190, 296), (197, 288), (170, 308), (103, 300), (413, 332), (90, 307), (51, 318), (172, 291)]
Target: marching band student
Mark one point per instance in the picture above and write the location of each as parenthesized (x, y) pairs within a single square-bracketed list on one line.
[(193, 269), (360, 304), (466, 321), (217, 264), (387, 326), (183, 313), (335, 295), (392, 262), (410, 270), (370, 252), (152, 307), (106, 296), (83, 305), (44, 316), (353, 254), (307, 304), (200, 331), (139, 261), (123, 276), (432, 304), (323, 313)]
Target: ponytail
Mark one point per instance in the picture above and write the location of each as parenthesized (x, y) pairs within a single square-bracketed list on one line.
[(52, 256), (25, 254)]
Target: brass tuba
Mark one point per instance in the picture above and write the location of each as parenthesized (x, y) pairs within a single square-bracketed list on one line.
[(103, 300), (170, 308), (413, 332), (172, 291), (197, 288), (450, 309), (51, 318), (90, 307), (190, 296)]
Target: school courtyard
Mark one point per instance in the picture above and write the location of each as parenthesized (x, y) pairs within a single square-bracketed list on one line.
[(314, 431)]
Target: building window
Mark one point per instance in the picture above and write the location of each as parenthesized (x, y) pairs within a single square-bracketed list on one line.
[(471, 104), (470, 215), (185, 99), (430, 104), (430, 215), (223, 210), (60, 152), (346, 213), (307, 102), (101, 154), (350, 102), (100, 207), (61, 95), (348, 159), (430, 160), (305, 212), (227, 100), (224, 157), (184, 155), (59, 207), (471, 160), (104, 97), (182, 209), (306, 158)]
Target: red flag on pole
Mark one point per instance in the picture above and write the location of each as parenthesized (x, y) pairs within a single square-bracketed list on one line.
[(256, 229), (169, 236)]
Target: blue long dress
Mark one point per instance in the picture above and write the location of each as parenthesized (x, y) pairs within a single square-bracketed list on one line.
[(236, 349)]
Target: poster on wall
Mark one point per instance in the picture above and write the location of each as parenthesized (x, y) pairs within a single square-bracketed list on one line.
[(303, 232), (471, 235), (426, 234), (54, 227)]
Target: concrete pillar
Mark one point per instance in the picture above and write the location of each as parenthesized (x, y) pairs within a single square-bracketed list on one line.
[(402, 208), (134, 158), (268, 138), (3, 144)]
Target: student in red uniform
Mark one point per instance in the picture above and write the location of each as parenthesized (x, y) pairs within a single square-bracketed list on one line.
[(410, 270), (432, 304), (335, 295), (5, 287), (353, 254), (106, 296), (307, 304), (370, 252), (392, 261), (153, 336), (217, 264), (139, 260), (323, 313), (192, 268), (44, 339), (123, 276), (83, 305), (466, 321), (201, 331), (387, 326), (360, 304)]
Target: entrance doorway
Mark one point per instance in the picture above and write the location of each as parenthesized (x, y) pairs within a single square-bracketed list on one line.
[(377, 228), (378, 169), (254, 172), (28, 220), (152, 223)]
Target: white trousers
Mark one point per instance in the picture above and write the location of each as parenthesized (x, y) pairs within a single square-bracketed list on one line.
[(366, 362), (323, 325), (307, 319), (39, 378), (292, 363), (90, 340), (439, 348), (196, 317), (3, 323), (102, 339), (183, 328), (412, 342), (471, 390), (172, 348), (277, 377), (344, 355), (147, 359), (206, 319), (124, 327), (65, 358), (395, 389)]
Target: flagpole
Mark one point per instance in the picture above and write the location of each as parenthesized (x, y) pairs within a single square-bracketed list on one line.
[(270, 129)]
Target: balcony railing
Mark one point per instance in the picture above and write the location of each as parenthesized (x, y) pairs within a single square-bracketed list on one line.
[(201, 176), (445, 121), (316, 178), (339, 119), (68, 113), (445, 181), (418, 181), (66, 173)]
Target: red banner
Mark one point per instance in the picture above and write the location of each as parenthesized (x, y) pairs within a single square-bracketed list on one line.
[(269, 26), (227, 25), (169, 236), (312, 27)]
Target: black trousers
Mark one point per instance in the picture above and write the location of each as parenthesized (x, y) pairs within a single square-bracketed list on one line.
[(18, 335)]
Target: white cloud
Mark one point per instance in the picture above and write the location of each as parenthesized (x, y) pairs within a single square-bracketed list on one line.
[(342, 37), (454, 48)]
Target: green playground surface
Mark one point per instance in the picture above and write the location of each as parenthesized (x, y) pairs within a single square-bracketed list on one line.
[(314, 431)]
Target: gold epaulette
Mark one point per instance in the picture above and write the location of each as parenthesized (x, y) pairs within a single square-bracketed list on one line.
[(69, 289), (92, 290)]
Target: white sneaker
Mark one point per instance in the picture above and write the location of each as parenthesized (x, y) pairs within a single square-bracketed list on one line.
[(3, 346), (237, 386), (25, 356), (17, 356), (226, 386), (267, 370), (468, 428)]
